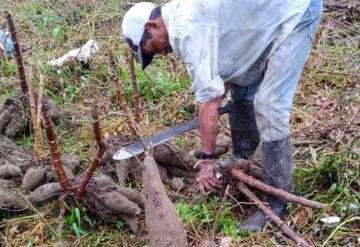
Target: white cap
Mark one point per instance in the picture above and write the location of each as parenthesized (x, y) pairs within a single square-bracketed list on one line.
[(133, 28)]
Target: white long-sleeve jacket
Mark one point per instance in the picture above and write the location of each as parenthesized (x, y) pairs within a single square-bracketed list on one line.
[(222, 40)]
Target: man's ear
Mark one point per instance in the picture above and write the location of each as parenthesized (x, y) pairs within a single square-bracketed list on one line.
[(150, 24)]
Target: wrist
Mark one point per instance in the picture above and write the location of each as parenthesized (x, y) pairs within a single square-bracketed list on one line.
[(203, 155)]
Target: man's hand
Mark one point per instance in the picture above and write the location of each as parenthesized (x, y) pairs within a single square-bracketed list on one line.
[(207, 180)]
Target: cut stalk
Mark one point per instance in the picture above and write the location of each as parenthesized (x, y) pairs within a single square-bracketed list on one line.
[(54, 148), (136, 94), (120, 96), (253, 182), (33, 111), (102, 146), (273, 217), (17, 52)]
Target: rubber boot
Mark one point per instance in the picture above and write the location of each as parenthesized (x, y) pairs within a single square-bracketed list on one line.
[(277, 171), (244, 132)]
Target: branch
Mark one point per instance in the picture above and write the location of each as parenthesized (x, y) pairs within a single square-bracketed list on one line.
[(34, 115), (38, 140), (54, 148), (120, 96), (273, 217), (17, 51), (102, 146), (253, 182), (136, 94)]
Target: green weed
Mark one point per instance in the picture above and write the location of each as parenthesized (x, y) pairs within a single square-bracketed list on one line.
[(74, 220)]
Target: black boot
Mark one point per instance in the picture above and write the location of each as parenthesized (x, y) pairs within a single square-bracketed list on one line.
[(244, 132), (277, 171)]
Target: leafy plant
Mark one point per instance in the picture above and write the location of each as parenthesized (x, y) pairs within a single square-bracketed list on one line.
[(74, 221)]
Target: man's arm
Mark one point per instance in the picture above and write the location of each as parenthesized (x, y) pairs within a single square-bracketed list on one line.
[(208, 118)]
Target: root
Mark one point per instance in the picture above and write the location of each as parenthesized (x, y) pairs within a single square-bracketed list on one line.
[(163, 223), (34, 177), (9, 200), (45, 193), (122, 169), (169, 155), (9, 171)]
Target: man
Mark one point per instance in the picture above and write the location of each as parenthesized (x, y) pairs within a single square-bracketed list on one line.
[(257, 48)]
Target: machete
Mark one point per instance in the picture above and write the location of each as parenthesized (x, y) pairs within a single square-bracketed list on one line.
[(154, 140)]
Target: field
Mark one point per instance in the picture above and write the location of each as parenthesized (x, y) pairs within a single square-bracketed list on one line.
[(325, 125)]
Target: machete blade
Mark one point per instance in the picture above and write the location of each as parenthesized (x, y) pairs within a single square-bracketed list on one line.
[(154, 140)]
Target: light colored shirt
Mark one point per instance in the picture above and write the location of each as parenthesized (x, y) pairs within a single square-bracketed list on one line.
[(223, 40)]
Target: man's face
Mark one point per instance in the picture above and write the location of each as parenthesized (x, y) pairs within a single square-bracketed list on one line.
[(159, 42)]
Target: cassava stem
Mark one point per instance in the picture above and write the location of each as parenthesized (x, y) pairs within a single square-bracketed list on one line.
[(136, 94), (102, 146), (17, 51), (273, 217), (54, 149), (120, 96), (33, 111), (38, 139), (253, 182)]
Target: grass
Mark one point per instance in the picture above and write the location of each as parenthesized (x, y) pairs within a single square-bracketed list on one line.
[(325, 117)]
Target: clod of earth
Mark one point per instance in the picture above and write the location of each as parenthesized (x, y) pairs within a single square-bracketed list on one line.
[(163, 223)]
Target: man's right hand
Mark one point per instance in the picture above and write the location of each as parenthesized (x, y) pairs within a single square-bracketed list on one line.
[(207, 180)]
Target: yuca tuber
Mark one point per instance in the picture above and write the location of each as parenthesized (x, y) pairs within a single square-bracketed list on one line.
[(34, 177), (8, 171), (163, 223), (131, 221), (177, 184), (73, 162), (119, 203), (122, 168), (10, 200), (4, 183), (170, 155), (45, 193)]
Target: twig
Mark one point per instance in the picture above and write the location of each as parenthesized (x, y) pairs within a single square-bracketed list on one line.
[(102, 146), (17, 52), (39, 214), (120, 96), (253, 182), (54, 149), (273, 217), (136, 94), (222, 205)]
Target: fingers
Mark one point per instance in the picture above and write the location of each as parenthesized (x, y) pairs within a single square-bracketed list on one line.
[(215, 183), (209, 184)]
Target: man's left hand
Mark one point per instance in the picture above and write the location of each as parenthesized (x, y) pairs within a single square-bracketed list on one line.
[(207, 179)]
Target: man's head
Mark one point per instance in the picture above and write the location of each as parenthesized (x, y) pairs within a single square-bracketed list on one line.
[(145, 32)]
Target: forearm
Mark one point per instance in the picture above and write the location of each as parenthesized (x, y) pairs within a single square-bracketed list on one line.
[(208, 118)]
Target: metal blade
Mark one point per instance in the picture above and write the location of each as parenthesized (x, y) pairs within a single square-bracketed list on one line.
[(154, 140)]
